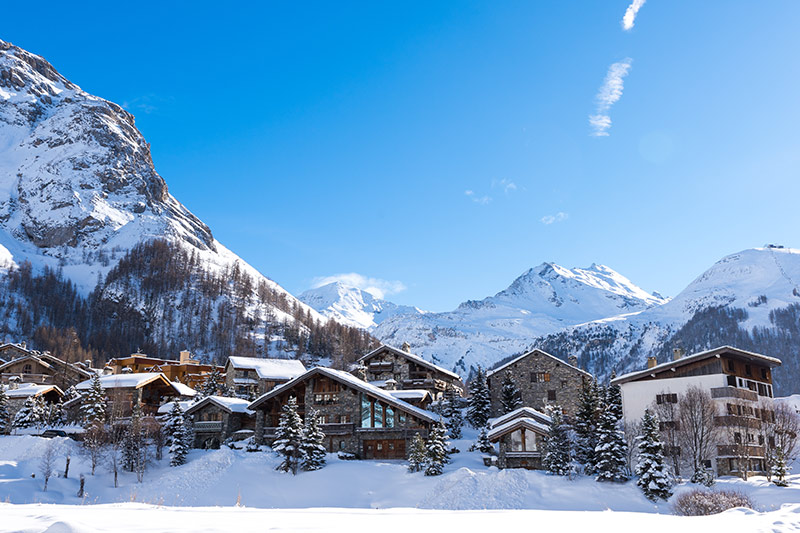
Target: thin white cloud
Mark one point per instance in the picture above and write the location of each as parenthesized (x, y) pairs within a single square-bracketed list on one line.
[(607, 96), (483, 200), (630, 14), (379, 288), (506, 185), (551, 219)]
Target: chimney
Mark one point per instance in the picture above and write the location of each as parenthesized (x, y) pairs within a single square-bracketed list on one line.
[(573, 360), (406, 347), (13, 383), (677, 353), (186, 356), (88, 363), (23, 345), (651, 362), (390, 384)]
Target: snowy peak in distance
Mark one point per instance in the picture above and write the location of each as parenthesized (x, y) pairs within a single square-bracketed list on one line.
[(353, 306)]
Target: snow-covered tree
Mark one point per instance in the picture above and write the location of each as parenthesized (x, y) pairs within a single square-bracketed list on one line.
[(611, 449), (479, 401), (510, 396), (26, 416), (134, 446), (586, 421), (653, 479), (557, 459), (212, 384), (41, 412), (780, 469), (289, 436), (455, 421), (436, 450), (57, 416), (5, 413), (313, 443), (417, 454), (483, 444), (178, 448), (174, 419), (93, 407)]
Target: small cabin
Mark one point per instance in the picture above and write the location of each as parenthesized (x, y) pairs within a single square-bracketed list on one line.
[(217, 418), (521, 436)]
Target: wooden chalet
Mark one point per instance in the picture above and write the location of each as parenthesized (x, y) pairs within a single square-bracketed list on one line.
[(405, 370), (252, 376), (521, 435), (149, 390), (18, 393), (356, 417), (217, 418), (185, 369), (30, 366)]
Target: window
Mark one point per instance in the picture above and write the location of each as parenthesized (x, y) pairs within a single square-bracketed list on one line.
[(326, 398), (540, 377), (551, 395), (772, 442), (707, 463), (523, 440), (344, 419), (377, 419), (667, 425), (27, 369), (341, 444), (401, 418), (563, 383), (366, 411), (666, 398), (764, 374), (389, 417), (737, 438), (761, 440)]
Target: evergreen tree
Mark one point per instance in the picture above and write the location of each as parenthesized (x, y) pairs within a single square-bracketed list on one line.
[(557, 459), (780, 469), (611, 449), (479, 401), (57, 416), (653, 479), (586, 421), (313, 444), (173, 420), (483, 444), (289, 436), (177, 447), (436, 450), (511, 397), (417, 455), (212, 384), (134, 445), (5, 413), (93, 407), (41, 414), (455, 421), (26, 416)]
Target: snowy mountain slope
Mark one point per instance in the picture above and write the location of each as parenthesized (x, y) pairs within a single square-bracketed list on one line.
[(543, 300), (749, 299), (353, 306), (78, 189)]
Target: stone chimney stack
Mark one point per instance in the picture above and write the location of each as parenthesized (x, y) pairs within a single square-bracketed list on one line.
[(406, 347), (677, 353), (651, 362), (390, 384), (573, 360), (23, 345), (186, 356)]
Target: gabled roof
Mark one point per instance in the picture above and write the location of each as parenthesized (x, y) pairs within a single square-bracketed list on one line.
[(513, 425), (276, 369), (708, 354), (184, 390), (165, 408), (522, 412), (230, 405), (42, 359), (350, 381), (128, 381), (409, 394), (410, 356), (540, 352), (29, 389)]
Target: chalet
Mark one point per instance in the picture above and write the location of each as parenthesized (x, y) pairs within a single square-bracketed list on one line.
[(18, 393), (405, 370), (185, 369), (250, 376), (216, 418), (356, 417), (521, 435), (30, 366), (149, 390), (542, 380), (739, 382)]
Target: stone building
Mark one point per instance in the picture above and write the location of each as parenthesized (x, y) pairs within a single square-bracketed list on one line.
[(216, 418), (404, 370), (252, 376), (542, 379), (30, 366), (521, 436), (150, 390), (356, 417), (18, 393)]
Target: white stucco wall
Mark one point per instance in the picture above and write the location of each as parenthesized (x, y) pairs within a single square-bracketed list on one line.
[(640, 395)]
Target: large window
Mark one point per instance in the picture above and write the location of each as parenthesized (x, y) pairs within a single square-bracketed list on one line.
[(375, 414), (666, 398), (523, 440)]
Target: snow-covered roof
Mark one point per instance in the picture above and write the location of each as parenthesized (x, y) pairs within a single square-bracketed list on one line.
[(232, 405), (167, 407), (269, 368), (708, 354), (411, 357), (409, 394), (522, 412), (515, 424), (126, 381), (354, 382), (30, 389), (540, 352), (184, 390), (245, 381), (42, 359)]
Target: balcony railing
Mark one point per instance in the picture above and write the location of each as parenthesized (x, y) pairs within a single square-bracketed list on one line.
[(337, 429), (208, 425), (740, 450), (734, 392), (737, 421)]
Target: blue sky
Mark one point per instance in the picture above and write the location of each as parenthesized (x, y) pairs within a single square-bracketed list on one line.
[(428, 143)]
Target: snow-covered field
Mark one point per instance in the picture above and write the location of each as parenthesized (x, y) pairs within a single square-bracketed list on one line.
[(354, 495)]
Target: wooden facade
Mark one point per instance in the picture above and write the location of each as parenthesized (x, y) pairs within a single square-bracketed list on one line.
[(29, 366), (185, 370), (405, 370), (216, 419)]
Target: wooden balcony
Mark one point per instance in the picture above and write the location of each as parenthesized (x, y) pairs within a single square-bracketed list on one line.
[(734, 392), (737, 421), (739, 450), (208, 425), (337, 429)]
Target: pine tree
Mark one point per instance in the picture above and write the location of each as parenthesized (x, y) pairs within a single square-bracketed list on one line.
[(173, 420), (653, 479), (455, 421), (313, 443), (40, 412), (58, 417), (557, 459), (417, 455), (93, 407), (178, 448), (483, 444), (5, 413), (26, 416), (780, 469), (586, 421), (511, 397), (479, 401), (611, 449), (436, 450), (289, 435), (212, 384)]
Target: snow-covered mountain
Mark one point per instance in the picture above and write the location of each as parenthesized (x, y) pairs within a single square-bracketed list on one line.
[(543, 300), (78, 192), (353, 306), (750, 299)]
